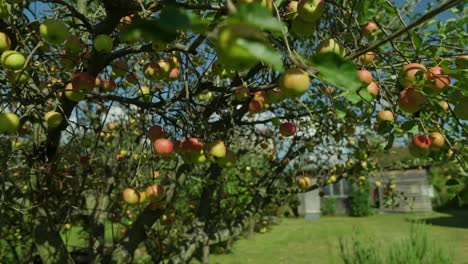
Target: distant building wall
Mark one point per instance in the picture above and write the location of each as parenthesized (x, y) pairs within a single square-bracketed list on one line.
[(414, 184), (309, 204)]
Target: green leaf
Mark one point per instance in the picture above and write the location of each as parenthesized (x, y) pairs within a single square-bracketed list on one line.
[(340, 109), (258, 16), (410, 126), (336, 71), (262, 51), (452, 182), (391, 10), (352, 97), (164, 28), (366, 95), (390, 140), (385, 127)]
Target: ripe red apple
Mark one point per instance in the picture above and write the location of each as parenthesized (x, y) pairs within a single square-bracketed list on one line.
[(163, 146), (174, 74), (255, 106), (152, 71), (83, 81), (103, 43), (193, 145), (259, 96), (438, 80), (13, 60), (216, 150), (437, 140), (5, 42), (130, 196), (461, 109), (132, 78), (155, 192), (419, 145), (109, 85), (98, 82), (310, 10), (368, 58), (462, 61), (365, 76), (411, 100), (120, 68), (294, 82), (156, 132), (73, 45), (242, 93), (291, 9), (53, 31), (373, 89), (369, 28), (408, 72), (9, 122), (331, 45), (444, 105), (165, 67), (53, 119), (385, 115), (275, 95), (287, 129)]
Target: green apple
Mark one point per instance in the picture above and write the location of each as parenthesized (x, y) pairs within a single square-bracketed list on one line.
[(17, 77), (53, 119), (331, 45), (5, 42), (13, 60), (53, 31), (310, 10), (228, 161), (294, 82), (131, 196), (103, 43), (216, 150), (74, 95), (145, 92), (9, 122)]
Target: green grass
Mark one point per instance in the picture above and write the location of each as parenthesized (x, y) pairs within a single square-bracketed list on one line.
[(308, 241)]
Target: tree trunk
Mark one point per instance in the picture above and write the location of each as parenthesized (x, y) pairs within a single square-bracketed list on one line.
[(206, 254), (251, 227), (48, 241)]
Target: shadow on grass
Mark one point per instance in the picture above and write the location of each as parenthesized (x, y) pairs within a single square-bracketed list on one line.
[(455, 218)]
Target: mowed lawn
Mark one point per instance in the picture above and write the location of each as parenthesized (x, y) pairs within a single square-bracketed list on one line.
[(317, 241)]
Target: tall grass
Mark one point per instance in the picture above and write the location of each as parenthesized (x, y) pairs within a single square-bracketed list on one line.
[(418, 248)]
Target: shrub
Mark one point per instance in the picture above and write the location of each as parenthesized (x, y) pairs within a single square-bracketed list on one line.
[(360, 249), (329, 206), (360, 201), (417, 248)]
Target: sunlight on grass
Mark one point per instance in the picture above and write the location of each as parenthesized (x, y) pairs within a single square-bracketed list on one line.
[(302, 241)]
